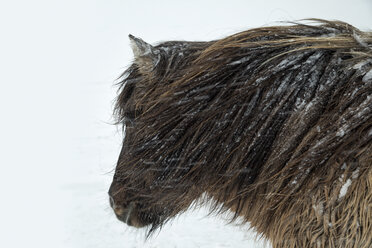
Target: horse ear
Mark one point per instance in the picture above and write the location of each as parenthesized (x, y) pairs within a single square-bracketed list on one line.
[(145, 55)]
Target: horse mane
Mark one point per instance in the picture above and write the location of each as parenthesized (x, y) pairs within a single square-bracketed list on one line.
[(256, 120)]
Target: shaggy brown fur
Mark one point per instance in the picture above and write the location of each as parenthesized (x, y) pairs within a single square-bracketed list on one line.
[(273, 123)]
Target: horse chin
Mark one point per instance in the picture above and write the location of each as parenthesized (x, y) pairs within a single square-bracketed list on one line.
[(134, 221), (133, 218)]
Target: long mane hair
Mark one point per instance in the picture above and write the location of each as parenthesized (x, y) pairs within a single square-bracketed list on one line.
[(270, 123)]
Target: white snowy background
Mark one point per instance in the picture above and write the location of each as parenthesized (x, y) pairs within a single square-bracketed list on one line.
[(58, 65)]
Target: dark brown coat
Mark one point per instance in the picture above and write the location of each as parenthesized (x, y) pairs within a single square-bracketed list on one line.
[(273, 123)]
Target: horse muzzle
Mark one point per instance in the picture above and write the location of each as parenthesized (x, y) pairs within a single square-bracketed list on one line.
[(126, 214), (122, 213)]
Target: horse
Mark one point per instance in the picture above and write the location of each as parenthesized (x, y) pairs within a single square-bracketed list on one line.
[(272, 124)]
